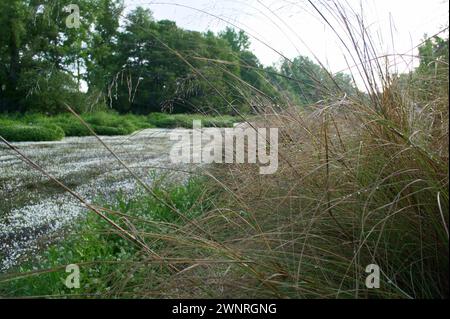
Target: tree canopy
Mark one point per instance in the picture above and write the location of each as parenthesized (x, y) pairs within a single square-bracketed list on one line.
[(136, 64)]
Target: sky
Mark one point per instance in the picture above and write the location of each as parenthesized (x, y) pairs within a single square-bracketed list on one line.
[(291, 27)]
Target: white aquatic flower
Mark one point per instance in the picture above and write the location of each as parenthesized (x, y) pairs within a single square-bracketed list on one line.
[(82, 159)]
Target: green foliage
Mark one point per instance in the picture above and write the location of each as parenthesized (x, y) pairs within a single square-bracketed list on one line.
[(142, 66), (47, 90), (104, 256), (71, 126), (41, 55), (37, 127), (19, 133), (238, 41), (307, 82), (433, 55), (138, 121), (153, 76), (105, 123), (109, 130), (430, 80), (185, 120)]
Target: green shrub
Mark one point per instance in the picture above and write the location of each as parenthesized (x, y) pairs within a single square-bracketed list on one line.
[(6, 122), (103, 123), (19, 133), (74, 128), (101, 118), (185, 120), (224, 121), (162, 120), (139, 122), (70, 125), (110, 123), (109, 130)]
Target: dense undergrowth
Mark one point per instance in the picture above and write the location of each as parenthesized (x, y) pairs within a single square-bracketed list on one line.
[(39, 127)]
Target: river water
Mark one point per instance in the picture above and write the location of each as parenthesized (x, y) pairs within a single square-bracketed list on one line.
[(34, 211)]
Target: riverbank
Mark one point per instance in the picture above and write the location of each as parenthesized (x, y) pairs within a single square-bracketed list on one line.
[(39, 127)]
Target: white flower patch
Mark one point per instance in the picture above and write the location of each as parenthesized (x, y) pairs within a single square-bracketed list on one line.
[(41, 211)]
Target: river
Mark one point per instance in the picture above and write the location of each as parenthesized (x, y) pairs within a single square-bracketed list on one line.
[(34, 210)]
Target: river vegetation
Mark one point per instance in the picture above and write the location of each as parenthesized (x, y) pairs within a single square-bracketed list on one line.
[(362, 177), (38, 127)]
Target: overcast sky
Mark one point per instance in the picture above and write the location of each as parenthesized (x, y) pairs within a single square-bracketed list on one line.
[(291, 26)]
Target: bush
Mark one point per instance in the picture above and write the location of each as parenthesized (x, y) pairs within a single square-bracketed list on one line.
[(138, 121), (224, 121), (103, 123), (109, 130), (20, 133), (74, 128), (70, 125), (185, 120), (110, 123), (162, 120), (55, 87)]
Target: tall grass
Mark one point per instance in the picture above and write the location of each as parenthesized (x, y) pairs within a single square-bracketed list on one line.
[(363, 180)]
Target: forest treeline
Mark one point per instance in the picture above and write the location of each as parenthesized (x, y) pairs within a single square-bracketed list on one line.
[(128, 61)]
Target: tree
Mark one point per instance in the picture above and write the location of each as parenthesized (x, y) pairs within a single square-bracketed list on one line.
[(35, 62), (155, 76), (100, 55), (238, 41), (12, 17), (139, 66), (307, 82)]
